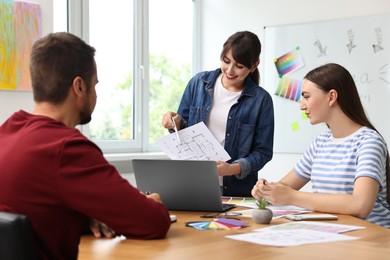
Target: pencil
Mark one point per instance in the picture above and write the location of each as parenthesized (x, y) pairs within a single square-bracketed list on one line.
[(175, 127)]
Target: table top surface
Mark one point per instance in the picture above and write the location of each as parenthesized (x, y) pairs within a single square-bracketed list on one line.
[(184, 242)]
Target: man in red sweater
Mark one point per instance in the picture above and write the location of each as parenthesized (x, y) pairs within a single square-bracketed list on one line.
[(53, 174)]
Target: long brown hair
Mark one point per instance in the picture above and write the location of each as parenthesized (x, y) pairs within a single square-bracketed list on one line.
[(334, 76), (246, 49)]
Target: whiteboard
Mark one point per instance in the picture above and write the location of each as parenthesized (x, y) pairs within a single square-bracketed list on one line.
[(359, 44)]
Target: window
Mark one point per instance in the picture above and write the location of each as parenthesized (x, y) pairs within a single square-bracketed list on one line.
[(60, 12), (144, 57), (170, 58), (111, 33)]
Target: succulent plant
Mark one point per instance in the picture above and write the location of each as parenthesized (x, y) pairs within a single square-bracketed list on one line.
[(262, 214), (262, 203)]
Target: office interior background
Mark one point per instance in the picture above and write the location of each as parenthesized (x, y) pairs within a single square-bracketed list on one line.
[(147, 50)]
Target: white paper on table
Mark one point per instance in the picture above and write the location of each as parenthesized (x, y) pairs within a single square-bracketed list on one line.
[(290, 237), (312, 225), (195, 143)]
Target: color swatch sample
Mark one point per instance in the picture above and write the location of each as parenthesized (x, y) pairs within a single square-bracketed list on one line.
[(238, 200), (289, 62), (289, 88)]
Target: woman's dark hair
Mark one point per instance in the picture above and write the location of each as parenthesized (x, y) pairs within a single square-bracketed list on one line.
[(246, 49), (334, 76), (56, 60)]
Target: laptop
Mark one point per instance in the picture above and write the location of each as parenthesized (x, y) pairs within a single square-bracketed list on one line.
[(182, 184)]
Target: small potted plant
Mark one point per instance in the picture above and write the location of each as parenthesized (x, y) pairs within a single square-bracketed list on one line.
[(262, 214)]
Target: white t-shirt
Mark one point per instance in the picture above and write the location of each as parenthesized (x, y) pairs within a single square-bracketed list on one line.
[(222, 102)]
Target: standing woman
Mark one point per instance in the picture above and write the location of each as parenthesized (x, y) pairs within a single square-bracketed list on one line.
[(347, 165), (238, 112)]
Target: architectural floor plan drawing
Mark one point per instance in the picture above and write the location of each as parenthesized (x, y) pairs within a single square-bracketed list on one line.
[(193, 143)]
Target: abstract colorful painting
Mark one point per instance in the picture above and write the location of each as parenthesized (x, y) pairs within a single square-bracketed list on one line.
[(289, 62), (20, 26)]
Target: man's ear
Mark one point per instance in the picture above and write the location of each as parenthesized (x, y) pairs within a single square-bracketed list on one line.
[(78, 86)]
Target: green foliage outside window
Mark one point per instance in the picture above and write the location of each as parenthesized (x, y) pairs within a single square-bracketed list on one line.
[(166, 85)]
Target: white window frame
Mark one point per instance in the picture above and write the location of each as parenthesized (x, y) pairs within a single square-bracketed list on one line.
[(78, 24)]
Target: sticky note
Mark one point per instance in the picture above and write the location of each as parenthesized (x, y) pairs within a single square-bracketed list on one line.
[(304, 116), (295, 126)]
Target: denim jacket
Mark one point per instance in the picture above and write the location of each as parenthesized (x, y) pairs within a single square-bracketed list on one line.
[(249, 130)]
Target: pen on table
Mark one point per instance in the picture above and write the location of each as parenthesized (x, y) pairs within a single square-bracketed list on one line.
[(175, 127)]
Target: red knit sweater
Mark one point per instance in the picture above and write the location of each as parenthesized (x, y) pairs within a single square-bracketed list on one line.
[(60, 179)]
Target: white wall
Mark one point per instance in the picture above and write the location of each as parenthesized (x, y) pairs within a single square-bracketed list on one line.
[(221, 18), (11, 101)]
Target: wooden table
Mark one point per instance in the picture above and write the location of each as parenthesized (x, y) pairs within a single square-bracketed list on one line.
[(187, 243)]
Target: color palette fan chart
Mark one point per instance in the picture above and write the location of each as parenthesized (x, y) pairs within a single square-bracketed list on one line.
[(217, 224)]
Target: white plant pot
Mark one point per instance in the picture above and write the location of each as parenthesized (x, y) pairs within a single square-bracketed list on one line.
[(262, 216)]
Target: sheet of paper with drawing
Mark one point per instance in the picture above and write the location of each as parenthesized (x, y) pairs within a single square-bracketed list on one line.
[(193, 143), (297, 233)]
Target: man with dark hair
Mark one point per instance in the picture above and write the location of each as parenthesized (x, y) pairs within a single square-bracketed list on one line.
[(53, 174)]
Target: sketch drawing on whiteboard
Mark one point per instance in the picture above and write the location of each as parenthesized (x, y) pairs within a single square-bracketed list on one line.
[(382, 72), (351, 44), (378, 47), (322, 50)]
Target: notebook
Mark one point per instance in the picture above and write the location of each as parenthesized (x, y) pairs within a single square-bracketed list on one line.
[(182, 184)]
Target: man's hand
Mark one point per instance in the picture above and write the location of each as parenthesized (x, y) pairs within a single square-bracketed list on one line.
[(100, 229)]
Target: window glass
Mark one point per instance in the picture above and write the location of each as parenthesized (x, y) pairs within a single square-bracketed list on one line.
[(60, 16), (170, 48), (111, 33)]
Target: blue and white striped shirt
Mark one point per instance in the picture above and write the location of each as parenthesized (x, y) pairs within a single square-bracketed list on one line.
[(333, 165)]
